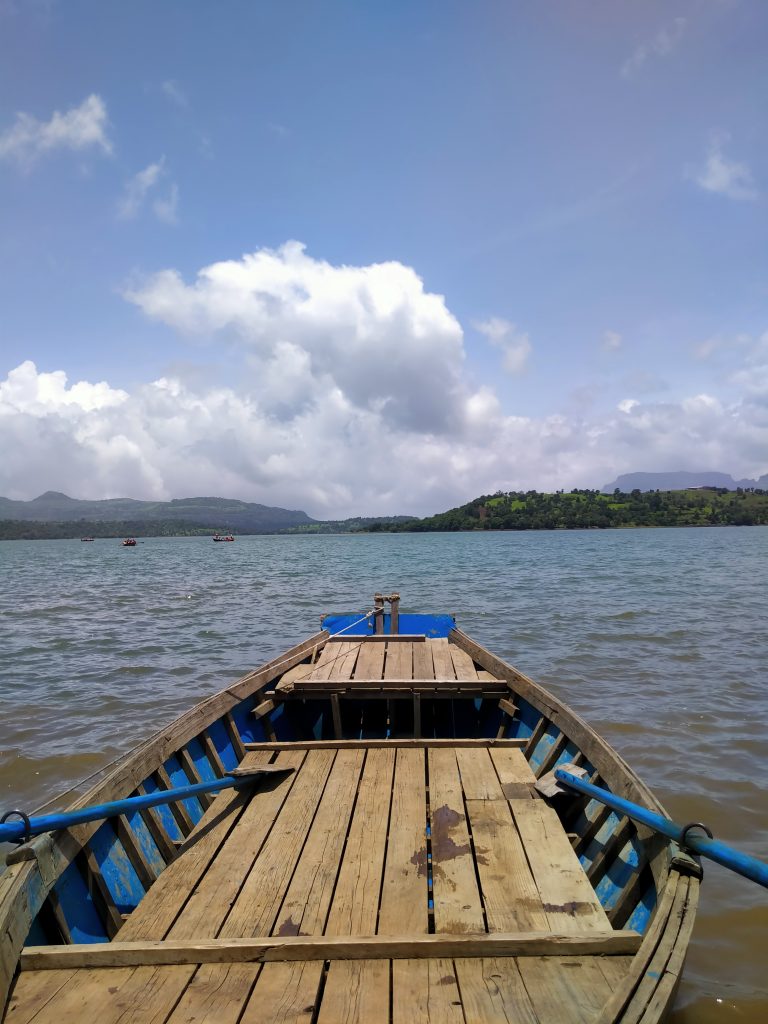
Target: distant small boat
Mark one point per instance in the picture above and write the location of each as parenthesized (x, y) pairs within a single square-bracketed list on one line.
[(218, 537), (129, 542), (86, 540)]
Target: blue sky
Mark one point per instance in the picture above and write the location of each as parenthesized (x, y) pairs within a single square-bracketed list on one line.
[(533, 247)]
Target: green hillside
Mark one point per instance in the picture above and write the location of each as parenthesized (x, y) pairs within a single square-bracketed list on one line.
[(585, 509)]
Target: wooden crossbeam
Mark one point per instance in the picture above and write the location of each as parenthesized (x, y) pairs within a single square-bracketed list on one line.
[(411, 638), (374, 744), (342, 947)]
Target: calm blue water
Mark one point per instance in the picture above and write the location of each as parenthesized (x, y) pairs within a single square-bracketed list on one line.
[(657, 637)]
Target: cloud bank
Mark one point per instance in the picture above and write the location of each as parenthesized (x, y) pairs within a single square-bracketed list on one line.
[(352, 398)]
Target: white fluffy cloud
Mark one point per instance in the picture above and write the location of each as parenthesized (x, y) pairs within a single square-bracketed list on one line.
[(79, 128), (352, 398), (726, 177)]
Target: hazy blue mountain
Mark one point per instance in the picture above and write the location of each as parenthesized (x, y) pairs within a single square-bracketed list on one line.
[(216, 513), (680, 481)]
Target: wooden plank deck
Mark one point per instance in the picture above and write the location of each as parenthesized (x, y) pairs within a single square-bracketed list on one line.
[(442, 853), (397, 665)]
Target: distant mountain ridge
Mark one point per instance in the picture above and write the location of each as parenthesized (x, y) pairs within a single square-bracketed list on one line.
[(215, 513), (679, 481)]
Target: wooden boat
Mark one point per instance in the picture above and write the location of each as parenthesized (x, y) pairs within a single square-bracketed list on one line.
[(394, 862)]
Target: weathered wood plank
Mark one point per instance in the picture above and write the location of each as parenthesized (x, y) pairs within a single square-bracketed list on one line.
[(184, 885), (284, 994), (514, 772), (570, 902), (344, 666), (329, 657), (305, 907), (478, 775), (463, 665), (370, 661), (568, 990), (510, 895), (441, 656), (356, 900), (276, 948), (399, 662), (356, 992), (423, 665), (457, 904), (404, 892), (258, 902), (393, 744), (492, 991), (425, 990)]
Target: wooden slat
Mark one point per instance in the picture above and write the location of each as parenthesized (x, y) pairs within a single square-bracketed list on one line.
[(134, 852), (212, 996), (570, 902), (356, 992), (277, 948), (370, 661), (441, 656), (176, 807), (514, 772), (305, 907), (423, 665), (395, 682), (394, 744), (399, 662), (568, 990), (492, 991), (190, 770), (213, 755), (425, 990), (346, 653), (329, 657), (404, 890), (338, 730), (184, 885), (478, 775), (356, 899), (457, 904), (259, 900), (284, 994), (463, 665)]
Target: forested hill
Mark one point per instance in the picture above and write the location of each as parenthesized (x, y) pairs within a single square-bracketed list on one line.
[(583, 509)]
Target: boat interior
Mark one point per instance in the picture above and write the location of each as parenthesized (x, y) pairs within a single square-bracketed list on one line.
[(392, 860)]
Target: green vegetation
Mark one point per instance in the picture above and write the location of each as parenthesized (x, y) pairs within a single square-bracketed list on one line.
[(29, 529), (514, 510), (584, 509)]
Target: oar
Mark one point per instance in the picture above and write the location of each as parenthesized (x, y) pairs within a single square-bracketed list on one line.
[(21, 831), (744, 865)]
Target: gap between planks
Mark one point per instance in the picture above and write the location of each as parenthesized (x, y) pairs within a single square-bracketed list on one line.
[(343, 947)]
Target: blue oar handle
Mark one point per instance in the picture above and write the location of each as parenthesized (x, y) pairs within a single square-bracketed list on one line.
[(741, 863), (21, 831)]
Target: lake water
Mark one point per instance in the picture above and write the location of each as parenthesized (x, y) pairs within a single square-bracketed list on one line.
[(657, 637)]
